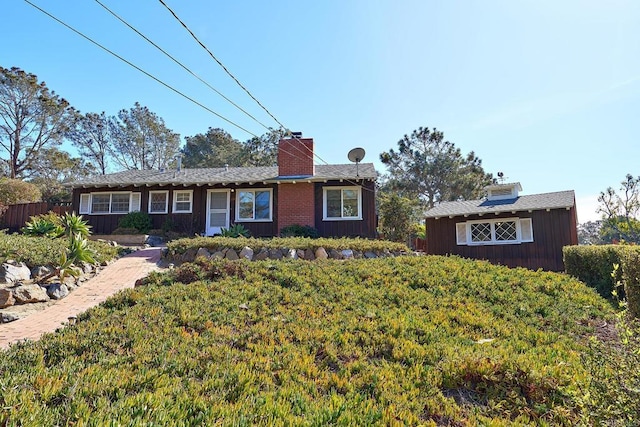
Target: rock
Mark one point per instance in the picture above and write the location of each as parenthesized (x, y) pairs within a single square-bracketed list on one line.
[(357, 254), (275, 254), (218, 255), (243, 306), (347, 254), (262, 255), (300, 253), (334, 254), (189, 255), (12, 271), (204, 252), (246, 253), (8, 317), (308, 255), (29, 293), (370, 255), (6, 298), (291, 254), (40, 271), (57, 291), (321, 253), (231, 255), (155, 240), (86, 268)]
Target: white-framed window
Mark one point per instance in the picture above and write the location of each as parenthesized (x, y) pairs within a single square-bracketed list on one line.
[(103, 203), (501, 231), (341, 203), (254, 205), (158, 202), (182, 201)]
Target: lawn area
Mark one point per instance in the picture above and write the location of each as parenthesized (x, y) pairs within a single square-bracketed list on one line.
[(406, 341)]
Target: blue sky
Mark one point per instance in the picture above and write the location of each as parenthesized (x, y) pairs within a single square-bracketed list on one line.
[(546, 91)]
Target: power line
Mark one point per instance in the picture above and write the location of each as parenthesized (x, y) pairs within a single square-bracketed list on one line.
[(180, 64), (140, 69)]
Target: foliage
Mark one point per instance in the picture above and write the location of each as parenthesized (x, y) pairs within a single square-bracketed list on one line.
[(621, 212), (432, 169), (262, 150), (91, 135), (31, 118), (420, 231), (180, 246), (35, 251), (397, 216), (297, 230), (74, 225), (141, 140), (235, 230), (630, 263), (13, 191), (52, 169), (141, 221), (589, 233), (211, 150), (41, 226), (370, 342)]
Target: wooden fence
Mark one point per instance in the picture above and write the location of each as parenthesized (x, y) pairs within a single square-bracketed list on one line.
[(14, 217)]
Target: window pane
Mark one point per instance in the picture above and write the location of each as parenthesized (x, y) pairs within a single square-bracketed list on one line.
[(100, 203), (481, 232), (183, 201), (158, 202), (262, 205), (334, 203), (218, 200), (349, 203), (506, 231), (119, 202), (245, 205)]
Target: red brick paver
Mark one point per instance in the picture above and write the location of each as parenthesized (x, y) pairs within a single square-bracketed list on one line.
[(120, 275)]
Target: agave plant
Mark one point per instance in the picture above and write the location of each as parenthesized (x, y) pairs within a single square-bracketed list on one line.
[(74, 226), (236, 230)]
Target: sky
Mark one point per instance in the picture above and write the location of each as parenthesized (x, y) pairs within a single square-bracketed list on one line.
[(545, 91)]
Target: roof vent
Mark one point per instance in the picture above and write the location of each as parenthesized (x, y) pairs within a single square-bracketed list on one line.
[(503, 191)]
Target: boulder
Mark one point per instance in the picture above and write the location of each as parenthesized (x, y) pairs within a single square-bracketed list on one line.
[(291, 254), (334, 254), (300, 253), (40, 271), (370, 255), (218, 255), (12, 271), (57, 291), (321, 253), (246, 253), (231, 255), (203, 252), (275, 254), (347, 254), (308, 255), (86, 268), (189, 255), (30, 293), (262, 255), (6, 298), (8, 317), (155, 240)]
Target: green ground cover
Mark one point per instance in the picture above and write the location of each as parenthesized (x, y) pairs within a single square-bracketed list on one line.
[(395, 341)]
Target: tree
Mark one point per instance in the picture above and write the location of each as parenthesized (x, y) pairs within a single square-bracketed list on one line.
[(214, 149), (589, 233), (52, 169), (141, 140), (621, 212), (262, 150), (398, 217), (92, 137), (31, 118), (433, 170), (14, 191)]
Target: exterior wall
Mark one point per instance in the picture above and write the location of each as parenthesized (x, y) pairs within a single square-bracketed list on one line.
[(296, 205), (295, 157), (551, 231), (349, 228)]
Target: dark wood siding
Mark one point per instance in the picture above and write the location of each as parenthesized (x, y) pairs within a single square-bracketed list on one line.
[(362, 228), (551, 231)]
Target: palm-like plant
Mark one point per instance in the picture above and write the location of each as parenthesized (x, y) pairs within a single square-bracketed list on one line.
[(74, 225), (42, 227)]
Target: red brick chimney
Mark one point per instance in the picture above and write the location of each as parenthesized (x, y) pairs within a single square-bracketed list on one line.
[(295, 157)]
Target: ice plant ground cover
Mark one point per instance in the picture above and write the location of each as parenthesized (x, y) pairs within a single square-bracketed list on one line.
[(407, 340)]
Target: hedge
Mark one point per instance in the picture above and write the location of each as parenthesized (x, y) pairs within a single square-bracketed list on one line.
[(631, 278)]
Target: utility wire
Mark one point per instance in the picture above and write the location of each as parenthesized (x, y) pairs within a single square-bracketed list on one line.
[(141, 70), (180, 64)]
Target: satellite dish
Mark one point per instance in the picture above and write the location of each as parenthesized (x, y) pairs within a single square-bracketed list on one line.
[(356, 155)]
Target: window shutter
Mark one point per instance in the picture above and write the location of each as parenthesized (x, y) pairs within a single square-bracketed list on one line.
[(461, 233), (85, 204), (526, 230), (135, 202)]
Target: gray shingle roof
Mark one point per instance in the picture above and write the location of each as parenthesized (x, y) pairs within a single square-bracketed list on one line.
[(205, 176), (557, 200)]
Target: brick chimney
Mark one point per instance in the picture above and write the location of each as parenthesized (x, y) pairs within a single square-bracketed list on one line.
[(295, 157)]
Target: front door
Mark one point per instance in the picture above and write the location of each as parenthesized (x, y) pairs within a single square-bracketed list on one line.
[(217, 211)]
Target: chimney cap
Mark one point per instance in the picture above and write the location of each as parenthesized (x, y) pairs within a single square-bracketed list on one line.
[(296, 134)]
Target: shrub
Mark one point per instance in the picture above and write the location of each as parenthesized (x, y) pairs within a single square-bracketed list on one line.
[(236, 230), (593, 265), (631, 279), (122, 230), (297, 230), (141, 221), (74, 226), (14, 191), (42, 226)]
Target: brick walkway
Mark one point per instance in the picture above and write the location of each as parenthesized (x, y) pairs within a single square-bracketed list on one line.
[(120, 275)]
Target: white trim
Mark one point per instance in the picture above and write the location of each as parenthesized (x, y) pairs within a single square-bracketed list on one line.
[(85, 204), (166, 202), (134, 204), (209, 211), (175, 201), (358, 191), (524, 231), (254, 190)]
